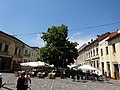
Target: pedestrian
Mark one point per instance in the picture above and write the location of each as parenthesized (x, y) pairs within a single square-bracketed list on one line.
[(105, 76), (73, 74), (78, 75), (21, 81), (27, 81), (0, 80)]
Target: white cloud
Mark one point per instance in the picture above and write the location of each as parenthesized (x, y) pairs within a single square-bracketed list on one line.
[(78, 33), (82, 40), (71, 37), (37, 41), (75, 35)]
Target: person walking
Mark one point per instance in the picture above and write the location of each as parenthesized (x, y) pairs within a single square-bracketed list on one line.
[(73, 74), (21, 82), (78, 75), (27, 81)]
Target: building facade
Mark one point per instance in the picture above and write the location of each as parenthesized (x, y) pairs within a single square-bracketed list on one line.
[(109, 49), (10, 51), (103, 54), (29, 54), (13, 51), (38, 52), (90, 53), (81, 57), (114, 56), (104, 57)]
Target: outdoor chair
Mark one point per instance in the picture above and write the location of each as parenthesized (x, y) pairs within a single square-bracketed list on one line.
[(51, 75)]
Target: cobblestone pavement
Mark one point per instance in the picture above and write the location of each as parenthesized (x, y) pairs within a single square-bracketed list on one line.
[(60, 84)]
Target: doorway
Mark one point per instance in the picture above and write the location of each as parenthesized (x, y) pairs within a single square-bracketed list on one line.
[(102, 68), (116, 71), (108, 68)]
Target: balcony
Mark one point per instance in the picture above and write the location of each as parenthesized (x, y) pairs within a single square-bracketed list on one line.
[(3, 53)]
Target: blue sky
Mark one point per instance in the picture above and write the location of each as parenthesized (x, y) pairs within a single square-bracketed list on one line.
[(36, 16)]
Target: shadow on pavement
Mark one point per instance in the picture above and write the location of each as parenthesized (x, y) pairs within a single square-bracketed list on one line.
[(83, 81), (113, 83), (7, 88)]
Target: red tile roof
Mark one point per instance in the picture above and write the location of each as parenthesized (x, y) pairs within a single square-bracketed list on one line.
[(103, 36), (113, 35)]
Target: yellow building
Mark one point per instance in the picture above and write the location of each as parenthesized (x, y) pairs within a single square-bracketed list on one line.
[(92, 55), (104, 57), (38, 52), (109, 50), (89, 53), (103, 53), (29, 54), (13, 51), (10, 51), (114, 56)]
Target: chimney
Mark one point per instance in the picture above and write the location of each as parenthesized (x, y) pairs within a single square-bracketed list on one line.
[(98, 35), (91, 40), (88, 43)]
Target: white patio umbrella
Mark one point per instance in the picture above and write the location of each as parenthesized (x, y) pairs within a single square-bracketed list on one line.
[(86, 67), (51, 65), (71, 66), (33, 64), (25, 64)]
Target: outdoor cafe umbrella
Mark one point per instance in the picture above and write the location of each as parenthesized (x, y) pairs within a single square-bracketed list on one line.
[(86, 67), (71, 66), (33, 64)]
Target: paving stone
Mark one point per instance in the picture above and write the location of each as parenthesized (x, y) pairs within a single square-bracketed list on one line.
[(60, 84)]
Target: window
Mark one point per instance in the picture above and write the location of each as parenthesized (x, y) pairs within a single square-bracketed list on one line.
[(94, 63), (16, 50), (93, 52), (19, 51), (86, 55), (29, 53), (114, 50), (101, 52), (26, 51), (25, 60), (89, 54), (106, 50), (0, 46), (97, 64), (6, 48), (96, 51), (102, 63)]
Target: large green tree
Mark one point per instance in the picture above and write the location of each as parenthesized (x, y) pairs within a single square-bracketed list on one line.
[(58, 50)]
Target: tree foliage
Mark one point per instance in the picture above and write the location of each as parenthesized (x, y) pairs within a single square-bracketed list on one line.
[(58, 49)]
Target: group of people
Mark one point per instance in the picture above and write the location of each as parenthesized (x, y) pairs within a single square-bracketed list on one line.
[(80, 75), (76, 74), (23, 81)]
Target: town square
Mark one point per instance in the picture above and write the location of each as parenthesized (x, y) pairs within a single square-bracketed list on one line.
[(59, 45), (60, 84)]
